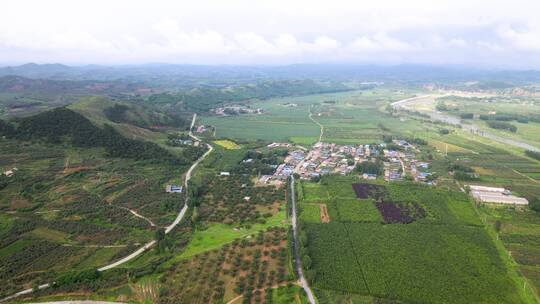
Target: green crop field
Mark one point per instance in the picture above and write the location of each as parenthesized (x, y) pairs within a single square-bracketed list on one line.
[(310, 213), (348, 118), (520, 234), (433, 259), (355, 210)]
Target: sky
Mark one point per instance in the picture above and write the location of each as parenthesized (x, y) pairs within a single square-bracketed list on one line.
[(479, 33)]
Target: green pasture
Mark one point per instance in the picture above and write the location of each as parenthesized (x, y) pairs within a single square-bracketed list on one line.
[(217, 235)]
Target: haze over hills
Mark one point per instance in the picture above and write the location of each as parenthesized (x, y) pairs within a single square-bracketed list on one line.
[(224, 74)]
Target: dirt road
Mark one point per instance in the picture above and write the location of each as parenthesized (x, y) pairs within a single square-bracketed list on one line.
[(318, 123)]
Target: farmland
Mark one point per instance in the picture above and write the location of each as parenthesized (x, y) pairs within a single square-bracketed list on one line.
[(519, 234), (349, 117), (239, 226), (227, 144), (506, 116), (251, 268), (359, 252), (72, 207), (71, 204)]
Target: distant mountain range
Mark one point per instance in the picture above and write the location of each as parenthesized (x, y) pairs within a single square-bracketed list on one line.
[(164, 75)]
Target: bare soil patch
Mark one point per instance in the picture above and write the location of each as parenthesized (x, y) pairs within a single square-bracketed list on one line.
[(325, 218), (364, 191)]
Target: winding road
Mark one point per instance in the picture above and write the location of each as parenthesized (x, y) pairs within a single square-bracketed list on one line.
[(148, 245), (303, 282)]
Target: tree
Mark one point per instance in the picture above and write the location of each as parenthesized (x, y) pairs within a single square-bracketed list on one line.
[(159, 234), (533, 154), (370, 167), (306, 261), (534, 204), (161, 240), (497, 225), (444, 131)]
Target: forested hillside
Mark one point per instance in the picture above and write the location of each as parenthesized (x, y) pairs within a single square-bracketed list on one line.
[(204, 99), (62, 124)]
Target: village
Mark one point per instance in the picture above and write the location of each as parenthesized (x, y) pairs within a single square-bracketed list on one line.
[(331, 158), (236, 110)]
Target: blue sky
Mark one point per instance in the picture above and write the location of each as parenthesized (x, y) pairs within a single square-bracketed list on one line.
[(498, 34)]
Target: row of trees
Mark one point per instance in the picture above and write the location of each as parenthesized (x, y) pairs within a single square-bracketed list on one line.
[(505, 117), (502, 125), (533, 154)]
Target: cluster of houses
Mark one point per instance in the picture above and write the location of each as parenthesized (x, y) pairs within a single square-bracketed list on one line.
[(331, 158), (323, 158), (284, 170), (236, 110), (184, 142), (402, 162)]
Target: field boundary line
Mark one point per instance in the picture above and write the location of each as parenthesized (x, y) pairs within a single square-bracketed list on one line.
[(356, 256)]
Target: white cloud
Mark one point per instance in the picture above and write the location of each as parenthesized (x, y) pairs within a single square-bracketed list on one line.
[(524, 40), (381, 42), (457, 42), (489, 46), (277, 31)]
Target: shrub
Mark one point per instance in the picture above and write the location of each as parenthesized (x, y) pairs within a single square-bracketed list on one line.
[(502, 126)]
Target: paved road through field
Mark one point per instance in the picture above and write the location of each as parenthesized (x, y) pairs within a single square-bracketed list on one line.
[(298, 263), (449, 119), (148, 245)]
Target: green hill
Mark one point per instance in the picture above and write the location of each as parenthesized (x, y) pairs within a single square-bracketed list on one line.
[(130, 120), (63, 124)]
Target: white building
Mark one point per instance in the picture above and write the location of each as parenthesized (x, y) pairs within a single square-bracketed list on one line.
[(496, 196)]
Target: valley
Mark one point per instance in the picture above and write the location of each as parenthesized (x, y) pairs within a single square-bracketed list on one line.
[(357, 196)]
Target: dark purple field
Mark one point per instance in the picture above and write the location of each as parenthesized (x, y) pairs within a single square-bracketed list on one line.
[(398, 213), (364, 191)]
